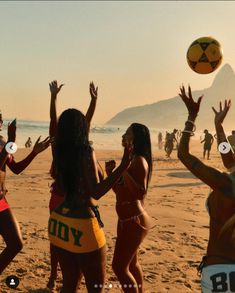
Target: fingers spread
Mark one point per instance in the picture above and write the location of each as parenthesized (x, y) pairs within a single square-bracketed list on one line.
[(214, 110)]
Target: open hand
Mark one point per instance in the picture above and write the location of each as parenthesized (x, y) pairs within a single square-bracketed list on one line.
[(221, 114), (93, 90), (41, 146), (192, 106), (54, 88)]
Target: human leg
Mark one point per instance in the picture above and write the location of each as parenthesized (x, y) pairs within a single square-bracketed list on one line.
[(11, 234), (133, 234), (208, 154), (70, 268), (93, 266), (54, 265), (136, 271)]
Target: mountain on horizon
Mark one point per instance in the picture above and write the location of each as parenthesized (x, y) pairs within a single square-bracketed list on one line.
[(171, 113)]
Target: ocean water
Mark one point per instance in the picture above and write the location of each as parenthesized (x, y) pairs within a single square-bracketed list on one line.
[(102, 136)]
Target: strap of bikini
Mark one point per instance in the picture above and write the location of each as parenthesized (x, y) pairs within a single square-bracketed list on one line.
[(97, 214)]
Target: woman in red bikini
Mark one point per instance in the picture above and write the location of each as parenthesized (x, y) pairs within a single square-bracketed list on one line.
[(9, 228), (57, 197), (133, 220)]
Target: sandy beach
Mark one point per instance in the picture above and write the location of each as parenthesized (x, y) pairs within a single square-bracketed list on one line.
[(171, 251)]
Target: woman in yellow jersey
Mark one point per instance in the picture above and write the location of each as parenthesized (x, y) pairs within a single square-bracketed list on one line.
[(218, 266), (75, 227), (57, 196)]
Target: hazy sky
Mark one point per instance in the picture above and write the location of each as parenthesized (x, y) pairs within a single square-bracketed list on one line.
[(134, 51)]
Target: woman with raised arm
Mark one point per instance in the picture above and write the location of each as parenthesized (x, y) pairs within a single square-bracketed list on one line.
[(218, 266), (133, 220), (57, 197), (9, 228), (75, 226), (227, 158)]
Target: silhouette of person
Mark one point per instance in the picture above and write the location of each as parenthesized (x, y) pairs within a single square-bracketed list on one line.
[(159, 140), (28, 143), (208, 141), (169, 142)]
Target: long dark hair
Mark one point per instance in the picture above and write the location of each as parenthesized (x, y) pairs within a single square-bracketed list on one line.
[(142, 145), (71, 147)]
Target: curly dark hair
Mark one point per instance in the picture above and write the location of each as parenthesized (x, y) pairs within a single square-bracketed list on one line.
[(142, 145)]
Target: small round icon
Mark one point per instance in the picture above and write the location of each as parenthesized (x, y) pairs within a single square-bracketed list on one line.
[(11, 147), (224, 147), (12, 281)]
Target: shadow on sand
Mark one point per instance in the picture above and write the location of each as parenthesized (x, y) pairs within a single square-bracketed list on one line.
[(180, 184), (185, 174), (44, 290)]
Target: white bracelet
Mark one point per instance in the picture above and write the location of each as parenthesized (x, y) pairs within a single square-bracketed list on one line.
[(188, 131)]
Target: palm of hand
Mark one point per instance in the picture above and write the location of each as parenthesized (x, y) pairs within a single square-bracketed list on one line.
[(54, 88), (93, 90), (221, 114), (219, 117), (192, 106), (41, 146)]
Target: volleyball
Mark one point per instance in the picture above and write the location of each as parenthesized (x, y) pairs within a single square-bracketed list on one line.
[(204, 55)]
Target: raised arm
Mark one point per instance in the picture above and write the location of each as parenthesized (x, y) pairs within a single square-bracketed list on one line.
[(11, 133), (97, 189), (212, 177), (54, 89), (92, 106), (18, 167), (109, 167), (228, 159)]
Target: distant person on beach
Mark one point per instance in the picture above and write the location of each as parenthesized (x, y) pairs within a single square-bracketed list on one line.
[(208, 141), (133, 220), (178, 136), (218, 266), (169, 142), (57, 196), (160, 140), (231, 139), (9, 228), (75, 226), (28, 143)]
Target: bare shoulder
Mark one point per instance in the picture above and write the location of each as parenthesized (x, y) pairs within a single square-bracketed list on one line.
[(139, 162)]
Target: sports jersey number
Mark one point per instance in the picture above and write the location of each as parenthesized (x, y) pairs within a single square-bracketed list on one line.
[(222, 281)]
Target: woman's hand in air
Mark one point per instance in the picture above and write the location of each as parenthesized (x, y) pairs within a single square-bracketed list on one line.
[(221, 114), (41, 146), (192, 106), (93, 90), (54, 88), (109, 166), (11, 131)]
